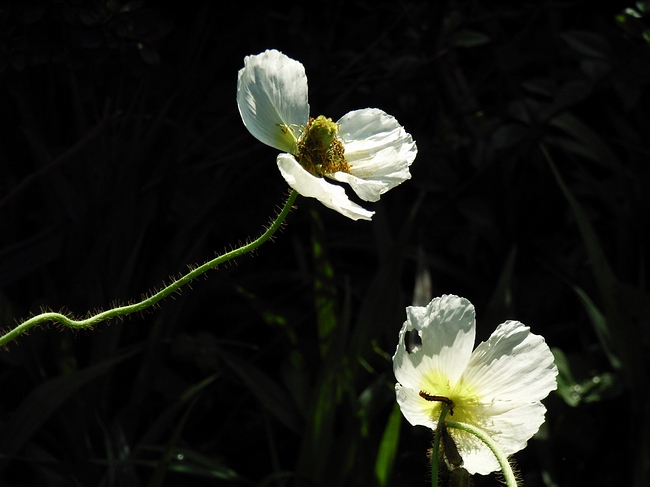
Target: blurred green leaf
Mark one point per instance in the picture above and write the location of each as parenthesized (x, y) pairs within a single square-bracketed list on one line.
[(324, 286), (388, 446), (643, 6), (626, 331), (600, 266), (592, 389), (565, 381), (316, 447), (600, 326)]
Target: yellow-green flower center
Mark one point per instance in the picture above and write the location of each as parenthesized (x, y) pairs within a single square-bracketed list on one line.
[(319, 150), (462, 397)]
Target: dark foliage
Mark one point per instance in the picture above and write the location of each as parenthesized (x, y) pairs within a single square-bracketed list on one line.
[(124, 159)]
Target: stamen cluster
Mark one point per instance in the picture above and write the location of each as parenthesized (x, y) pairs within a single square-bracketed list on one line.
[(319, 150)]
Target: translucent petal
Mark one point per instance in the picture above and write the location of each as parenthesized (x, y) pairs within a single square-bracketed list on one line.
[(416, 410), (272, 98), (511, 430), (446, 327), (514, 428), (330, 195), (513, 367), (378, 149), (477, 457)]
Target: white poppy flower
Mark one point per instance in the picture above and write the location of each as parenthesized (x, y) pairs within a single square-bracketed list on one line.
[(368, 149), (497, 387)]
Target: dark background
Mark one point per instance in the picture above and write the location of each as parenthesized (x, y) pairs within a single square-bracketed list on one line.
[(123, 159)]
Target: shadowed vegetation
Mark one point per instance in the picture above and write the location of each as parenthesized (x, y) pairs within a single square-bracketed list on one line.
[(124, 159)]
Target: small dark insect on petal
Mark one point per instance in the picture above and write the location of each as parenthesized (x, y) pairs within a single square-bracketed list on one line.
[(412, 341)]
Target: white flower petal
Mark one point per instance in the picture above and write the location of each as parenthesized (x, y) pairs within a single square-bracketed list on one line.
[(330, 195), (384, 170), (416, 410), (272, 98), (378, 149), (477, 457), (513, 367), (367, 190), (514, 428), (511, 430), (446, 327)]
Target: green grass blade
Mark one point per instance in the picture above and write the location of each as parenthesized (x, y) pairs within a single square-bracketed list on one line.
[(388, 446)]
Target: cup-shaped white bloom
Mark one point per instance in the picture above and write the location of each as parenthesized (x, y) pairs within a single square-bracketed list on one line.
[(368, 149), (496, 387)]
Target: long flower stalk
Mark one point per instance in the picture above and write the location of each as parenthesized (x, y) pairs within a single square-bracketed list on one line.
[(435, 450), (155, 297)]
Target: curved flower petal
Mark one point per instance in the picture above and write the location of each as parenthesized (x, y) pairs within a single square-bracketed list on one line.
[(513, 367), (330, 195), (511, 430), (272, 98), (416, 410), (366, 190), (446, 327), (477, 457), (378, 150)]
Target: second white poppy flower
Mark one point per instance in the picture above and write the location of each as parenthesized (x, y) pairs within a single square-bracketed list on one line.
[(497, 387)]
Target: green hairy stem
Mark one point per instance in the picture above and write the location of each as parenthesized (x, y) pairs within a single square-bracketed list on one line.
[(435, 451), (155, 297)]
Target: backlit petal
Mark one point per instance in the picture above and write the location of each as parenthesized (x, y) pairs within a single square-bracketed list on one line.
[(477, 457), (378, 149), (513, 367), (446, 327), (416, 410), (272, 98), (511, 430)]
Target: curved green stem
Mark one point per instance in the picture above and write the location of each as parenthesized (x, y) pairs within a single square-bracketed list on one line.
[(154, 298), (435, 452), (491, 444)]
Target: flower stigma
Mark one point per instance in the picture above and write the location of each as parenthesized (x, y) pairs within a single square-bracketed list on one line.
[(320, 151)]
